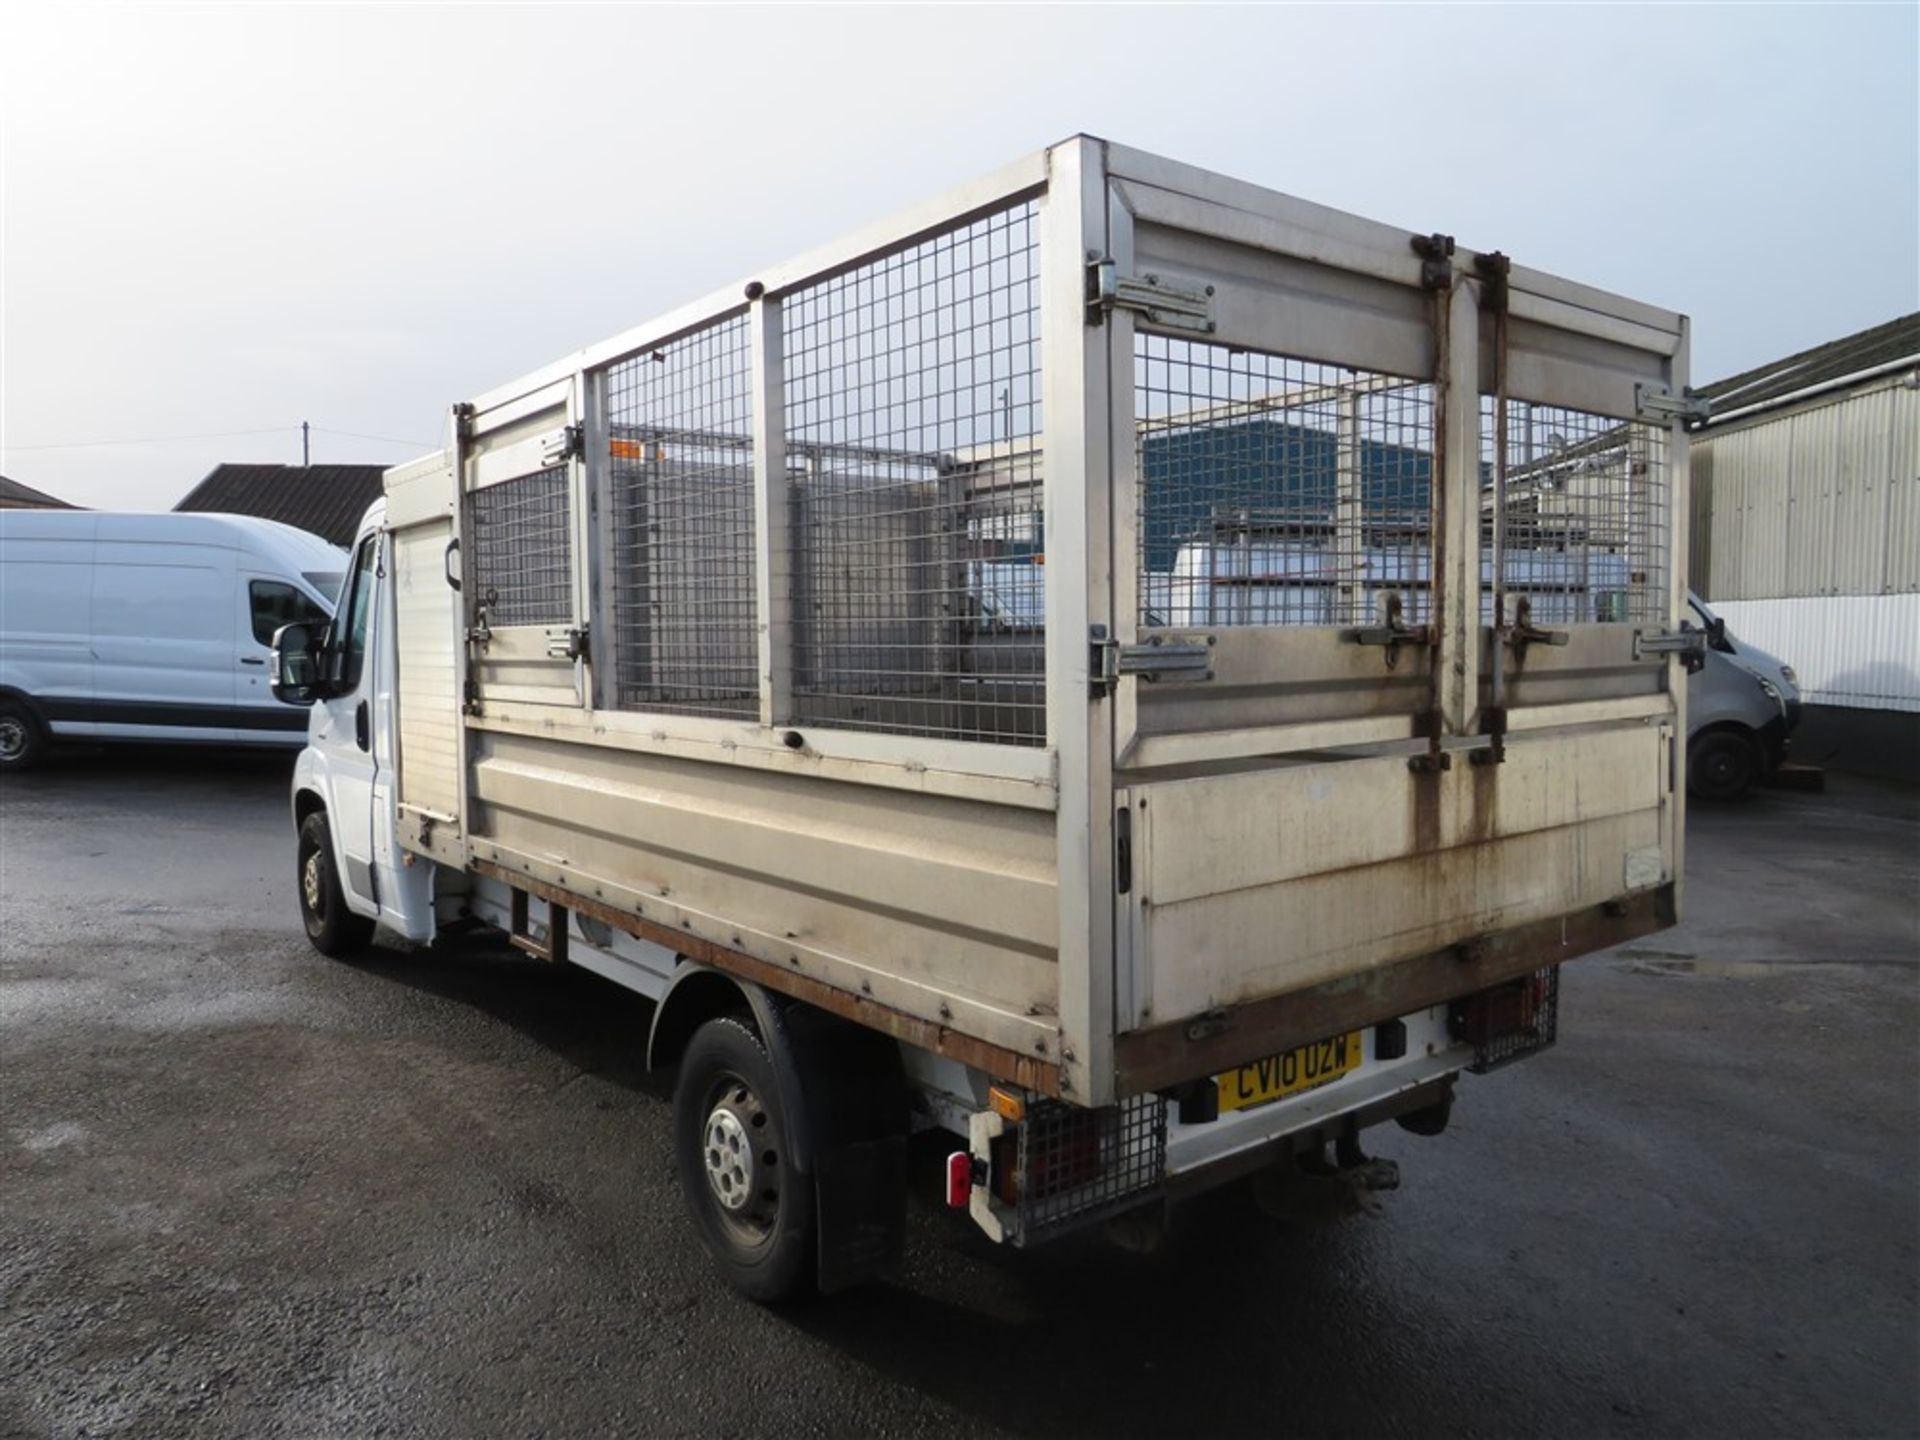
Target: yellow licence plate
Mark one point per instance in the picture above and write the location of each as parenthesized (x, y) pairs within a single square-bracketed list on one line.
[(1307, 1068)]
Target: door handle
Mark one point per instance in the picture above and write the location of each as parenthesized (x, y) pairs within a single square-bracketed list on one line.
[(251, 660), (360, 736)]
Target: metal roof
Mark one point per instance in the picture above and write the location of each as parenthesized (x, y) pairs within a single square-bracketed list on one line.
[(327, 500), (1837, 359), (15, 496)]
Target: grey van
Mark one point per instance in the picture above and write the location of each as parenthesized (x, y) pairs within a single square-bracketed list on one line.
[(1742, 707)]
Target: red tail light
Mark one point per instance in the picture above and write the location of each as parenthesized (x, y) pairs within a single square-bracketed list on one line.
[(959, 1179), (1510, 1020)]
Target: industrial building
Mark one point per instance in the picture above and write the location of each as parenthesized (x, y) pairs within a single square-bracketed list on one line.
[(1805, 535)]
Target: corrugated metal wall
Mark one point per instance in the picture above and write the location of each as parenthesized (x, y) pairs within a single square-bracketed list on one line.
[(1857, 651), (1821, 500), (1805, 536)]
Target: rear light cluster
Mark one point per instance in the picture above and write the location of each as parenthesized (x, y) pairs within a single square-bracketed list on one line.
[(1509, 1021), (1056, 1167)]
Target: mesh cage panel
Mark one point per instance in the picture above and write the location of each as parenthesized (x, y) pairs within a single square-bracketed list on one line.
[(1587, 530), (912, 396), (1539, 1023), (681, 435), (1276, 491), (1078, 1166), (522, 532)]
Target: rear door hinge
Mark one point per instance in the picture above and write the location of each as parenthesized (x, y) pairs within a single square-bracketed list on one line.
[(1170, 659), (1689, 645), (1170, 304), (567, 642), (569, 442), (1436, 260), (1658, 402)]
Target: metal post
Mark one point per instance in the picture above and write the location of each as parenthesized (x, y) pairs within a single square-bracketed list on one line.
[(1077, 465), (772, 573), (1458, 590), (1347, 548), (595, 534), (1679, 493)]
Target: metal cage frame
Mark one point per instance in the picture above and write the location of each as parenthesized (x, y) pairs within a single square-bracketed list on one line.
[(1128, 248)]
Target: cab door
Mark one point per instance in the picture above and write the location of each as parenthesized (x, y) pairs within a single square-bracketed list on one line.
[(344, 732)]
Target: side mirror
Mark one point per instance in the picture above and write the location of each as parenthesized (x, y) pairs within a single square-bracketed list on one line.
[(1717, 635), (294, 667)]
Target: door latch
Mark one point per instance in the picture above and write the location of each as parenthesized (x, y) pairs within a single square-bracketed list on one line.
[(1393, 631), (1523, 632)]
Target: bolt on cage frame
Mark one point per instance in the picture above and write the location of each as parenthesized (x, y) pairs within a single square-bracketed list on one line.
[(921, 509)]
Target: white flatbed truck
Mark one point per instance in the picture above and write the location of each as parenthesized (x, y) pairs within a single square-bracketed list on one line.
[(1148, 674)]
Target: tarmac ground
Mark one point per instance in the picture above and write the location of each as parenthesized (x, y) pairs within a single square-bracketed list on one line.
[(246, 1191)]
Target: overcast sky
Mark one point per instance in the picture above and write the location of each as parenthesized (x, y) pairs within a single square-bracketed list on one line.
[(226, 219)]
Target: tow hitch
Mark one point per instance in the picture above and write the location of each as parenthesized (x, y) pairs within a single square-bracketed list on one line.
[(1306, 1185)]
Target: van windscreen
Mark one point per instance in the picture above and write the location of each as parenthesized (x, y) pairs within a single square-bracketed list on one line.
[(327, 582)]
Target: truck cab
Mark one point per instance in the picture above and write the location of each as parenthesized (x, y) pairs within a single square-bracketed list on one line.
[(1742, 707), (344, 785)]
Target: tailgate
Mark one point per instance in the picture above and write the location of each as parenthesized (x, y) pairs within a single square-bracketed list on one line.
[(1259, 883), (1394, 596)]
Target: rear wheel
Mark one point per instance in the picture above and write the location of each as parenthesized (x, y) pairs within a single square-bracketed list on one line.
[(22, 741), (1722, 765), (753, 1210), (331, 926)]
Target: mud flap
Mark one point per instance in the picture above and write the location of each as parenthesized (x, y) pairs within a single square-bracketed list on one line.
[(860, 1209), (856, 1109)]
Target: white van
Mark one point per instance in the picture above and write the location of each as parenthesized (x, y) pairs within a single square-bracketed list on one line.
[(150, 627)]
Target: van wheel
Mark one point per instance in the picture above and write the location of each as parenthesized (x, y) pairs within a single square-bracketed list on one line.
[(1722, 765), (22, 742), (753, 1210), (331, 926)]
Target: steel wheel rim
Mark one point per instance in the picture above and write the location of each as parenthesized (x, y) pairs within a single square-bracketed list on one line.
[(13, 737), (310, 889), (740, 1154)]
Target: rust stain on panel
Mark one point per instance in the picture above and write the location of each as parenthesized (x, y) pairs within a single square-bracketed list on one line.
[(996, 1060), (1166, 1055)]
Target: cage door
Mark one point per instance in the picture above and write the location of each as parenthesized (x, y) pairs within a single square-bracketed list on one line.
[(526, 631)]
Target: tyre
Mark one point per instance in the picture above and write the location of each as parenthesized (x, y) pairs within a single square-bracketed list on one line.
[(753, 1210), (1722, 765), (22, 740), (331, 926)]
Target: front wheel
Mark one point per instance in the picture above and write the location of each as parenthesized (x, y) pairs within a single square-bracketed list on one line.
[(754, 1211), (331, 926), (1722, 765)]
